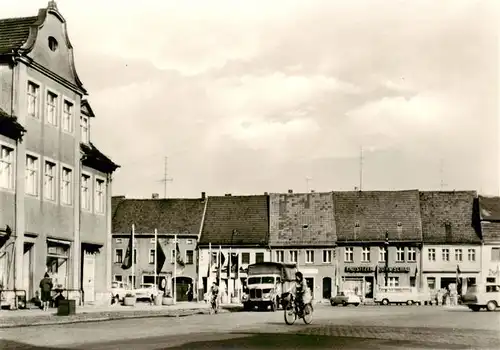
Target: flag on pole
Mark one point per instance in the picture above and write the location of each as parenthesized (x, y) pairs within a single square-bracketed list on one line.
[(160, 257), (458, 274), (209, 260), (178, 254), (127, 260)]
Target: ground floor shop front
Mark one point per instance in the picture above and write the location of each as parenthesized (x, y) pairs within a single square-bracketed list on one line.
[(442, 280)]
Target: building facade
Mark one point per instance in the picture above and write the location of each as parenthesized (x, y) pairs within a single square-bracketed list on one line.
[(451, 240), (489, 209), (235, 234), (302, 231), (379, 239), (55, 185), (179, 219)]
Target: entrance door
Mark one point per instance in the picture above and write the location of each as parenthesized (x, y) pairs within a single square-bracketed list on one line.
[(28, 270), (181, 287), (88, 277), (327, 288), (369, 287), (310, 285)]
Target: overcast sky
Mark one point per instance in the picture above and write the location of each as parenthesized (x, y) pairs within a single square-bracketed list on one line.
[(252, 96)]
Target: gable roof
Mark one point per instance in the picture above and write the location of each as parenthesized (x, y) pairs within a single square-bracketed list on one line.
[(302, 219), (455, 209), (238, 220), (14, 32), (10, 127), (168, 216), (367, 215), (95, 159), (489, 213)]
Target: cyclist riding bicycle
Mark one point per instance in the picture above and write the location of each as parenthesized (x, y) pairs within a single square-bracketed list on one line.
[(214, 293), (298, 289)]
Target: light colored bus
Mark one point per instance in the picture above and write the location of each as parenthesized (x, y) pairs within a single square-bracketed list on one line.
[(400, 295)]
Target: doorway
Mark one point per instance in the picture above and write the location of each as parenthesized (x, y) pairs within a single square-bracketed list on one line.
[(181, 287), (88, 277), (28, 270), (310, 285), (327, 288), (369, 287)]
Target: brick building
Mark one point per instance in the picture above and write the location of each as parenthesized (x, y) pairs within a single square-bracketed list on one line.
[(451, 239), (489, 215), (170, 217), (302, 231), (55, 185), (235, 231), (379, 235)]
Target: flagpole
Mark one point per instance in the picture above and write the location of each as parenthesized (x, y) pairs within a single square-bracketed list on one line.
[(175, 270), (133, 256), (156, 257), (209, 265), (230, 276), (220, 266)]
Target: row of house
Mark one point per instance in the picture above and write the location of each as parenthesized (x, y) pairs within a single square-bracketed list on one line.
[(55, 185), (352, 240)]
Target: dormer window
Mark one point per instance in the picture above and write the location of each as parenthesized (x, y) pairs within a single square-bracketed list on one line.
[(53, 44), (357, 225), (85, 129)]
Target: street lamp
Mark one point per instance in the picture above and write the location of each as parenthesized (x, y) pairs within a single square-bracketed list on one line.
[(386, 258)]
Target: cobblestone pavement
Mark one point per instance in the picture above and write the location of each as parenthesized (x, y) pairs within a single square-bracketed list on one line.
[(387, 327)]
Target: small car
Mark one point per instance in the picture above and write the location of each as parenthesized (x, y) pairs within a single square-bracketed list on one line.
[(345, 298), (486, 296), (146, 292), (118, 290)]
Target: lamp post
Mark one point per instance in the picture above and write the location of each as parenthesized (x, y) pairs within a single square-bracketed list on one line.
[(386, 258)]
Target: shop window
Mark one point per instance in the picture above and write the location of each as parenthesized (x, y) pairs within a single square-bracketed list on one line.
[(393, 282), (431, 283), (57, 263)]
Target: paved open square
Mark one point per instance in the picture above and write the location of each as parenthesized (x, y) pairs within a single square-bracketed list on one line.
[(363, 327)]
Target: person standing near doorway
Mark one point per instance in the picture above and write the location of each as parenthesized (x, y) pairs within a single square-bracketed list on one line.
[(189, 293), (46, 289)]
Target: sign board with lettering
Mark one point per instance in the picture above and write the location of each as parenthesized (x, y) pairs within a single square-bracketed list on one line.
[(381, 269)]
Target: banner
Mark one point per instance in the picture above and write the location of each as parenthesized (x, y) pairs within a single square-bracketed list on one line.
[(127, 260)]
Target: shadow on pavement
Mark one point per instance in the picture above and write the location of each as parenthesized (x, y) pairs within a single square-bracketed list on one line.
[(9, 344), (296, 341)]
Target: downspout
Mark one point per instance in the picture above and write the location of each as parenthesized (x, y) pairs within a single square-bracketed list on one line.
[(14, 252)]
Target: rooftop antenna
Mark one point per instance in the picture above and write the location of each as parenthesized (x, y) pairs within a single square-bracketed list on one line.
[(165, 179), (441, 172), (308, 179), (361, 168)]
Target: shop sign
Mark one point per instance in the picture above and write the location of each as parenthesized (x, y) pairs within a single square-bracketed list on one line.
[(381, 269)]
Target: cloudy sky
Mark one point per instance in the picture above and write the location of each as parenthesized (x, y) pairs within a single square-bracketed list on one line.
[(252, 96)]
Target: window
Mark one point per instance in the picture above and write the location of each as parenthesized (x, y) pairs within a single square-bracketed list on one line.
[(245, 258), (147, 279), (99, 195), (67, 188), (393, 282), (118, 256), (490, 279), (293, 256), (365, 254), (152, 256), (152, 241), (471, 254), (67, 118), (280, 256), (51, 108), (189, 241), (458, 255), (6, 167), (33, 99), (431, 254), (445, 252), (327, 256), (189, 257), (413, 281), (118, 240), (118, 278), (309, 256), (84, 129), (400, 254), (348, 254), (53, 44), (382, 254), (431, 283), (50, 181), (495, 254), (412, 254), (259, 257), (85, 192), (31, 176)]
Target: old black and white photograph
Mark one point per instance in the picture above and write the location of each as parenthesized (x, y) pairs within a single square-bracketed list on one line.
[(249, 174)]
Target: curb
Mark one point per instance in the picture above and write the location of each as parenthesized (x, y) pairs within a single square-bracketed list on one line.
[(62, 321)]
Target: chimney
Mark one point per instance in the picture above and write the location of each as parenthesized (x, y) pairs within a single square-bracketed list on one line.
[(155, 196), (228, 195), (312, 191), (290, 191), (265, 193), (203, 195)]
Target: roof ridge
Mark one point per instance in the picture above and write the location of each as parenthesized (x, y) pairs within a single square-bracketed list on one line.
[(12, 19)]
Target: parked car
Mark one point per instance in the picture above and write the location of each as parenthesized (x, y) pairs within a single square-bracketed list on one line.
[(345, 298), (119, 289), (486, 296), (146, 291)]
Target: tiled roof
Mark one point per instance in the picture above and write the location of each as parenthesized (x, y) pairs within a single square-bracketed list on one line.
[(238, 220), (367, 215), (489, 211), (168, 216), (9, 126), (302, 219), (447, 217), (14, 32), (93, 158)]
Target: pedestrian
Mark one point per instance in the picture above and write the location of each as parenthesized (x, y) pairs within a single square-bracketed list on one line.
[(189, 293), (46, 289)]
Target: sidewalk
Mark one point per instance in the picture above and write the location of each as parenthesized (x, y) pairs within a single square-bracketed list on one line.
[(37, 317)]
